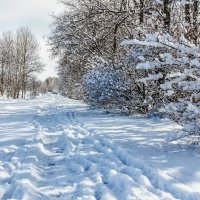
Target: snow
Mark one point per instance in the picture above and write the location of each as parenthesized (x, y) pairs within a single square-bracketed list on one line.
[(148, 65), (151, 78), (52, 147), (166, 41), (190, 85), (143, 43)]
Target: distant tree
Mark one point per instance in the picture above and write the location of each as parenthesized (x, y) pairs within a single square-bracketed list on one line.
[(33, 86), (52, 84), (6, 59), (28, 56), (19, 62)]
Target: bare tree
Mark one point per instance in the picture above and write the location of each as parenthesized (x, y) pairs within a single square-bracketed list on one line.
[(7, 56), (28, 57), (19, 62)]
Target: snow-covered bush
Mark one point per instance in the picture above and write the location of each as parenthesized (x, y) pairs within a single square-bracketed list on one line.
[(170, 70), (111, 86)]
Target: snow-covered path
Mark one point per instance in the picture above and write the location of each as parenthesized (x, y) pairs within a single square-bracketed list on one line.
[(55, 148)]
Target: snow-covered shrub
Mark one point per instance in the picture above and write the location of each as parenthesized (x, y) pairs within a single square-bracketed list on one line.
[(111, 86), (170, 70)]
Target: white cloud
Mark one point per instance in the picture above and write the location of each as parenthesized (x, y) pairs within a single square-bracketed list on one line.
[(36, 15)]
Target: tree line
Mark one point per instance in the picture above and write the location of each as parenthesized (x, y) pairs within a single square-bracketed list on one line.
[(141, 56), (19, 63)]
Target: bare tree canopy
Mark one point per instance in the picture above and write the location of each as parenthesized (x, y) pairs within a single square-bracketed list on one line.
[(19, 62)]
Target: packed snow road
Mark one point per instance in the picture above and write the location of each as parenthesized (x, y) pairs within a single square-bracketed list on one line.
[(57, 148)]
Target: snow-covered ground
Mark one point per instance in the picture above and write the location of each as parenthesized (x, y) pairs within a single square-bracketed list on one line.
[(56, 148)]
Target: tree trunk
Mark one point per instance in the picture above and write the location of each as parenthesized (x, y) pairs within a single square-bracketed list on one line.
[(167, 15), (141, 13), (195, 21), (2, 79), (187, 13)]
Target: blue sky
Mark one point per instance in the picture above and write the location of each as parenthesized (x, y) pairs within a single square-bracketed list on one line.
[(36, 15)]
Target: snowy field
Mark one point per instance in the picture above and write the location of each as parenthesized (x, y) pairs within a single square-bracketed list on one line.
[(55, 148)]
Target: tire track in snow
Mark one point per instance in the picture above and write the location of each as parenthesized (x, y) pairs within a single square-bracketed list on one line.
[(161, 185), (118, 170), (52, 149), (155, 182), (90, 177), (26, 178), (121, 184), (13, 165), (57, 144), (81, 165)]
